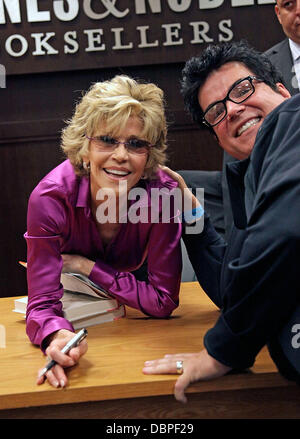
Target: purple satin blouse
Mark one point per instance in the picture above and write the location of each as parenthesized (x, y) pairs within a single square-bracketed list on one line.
[(59, 221)]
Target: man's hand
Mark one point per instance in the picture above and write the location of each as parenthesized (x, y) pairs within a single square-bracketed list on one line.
[(56, 376), (196, 367), (188, 199)]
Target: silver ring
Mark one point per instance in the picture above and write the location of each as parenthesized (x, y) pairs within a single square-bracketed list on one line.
[(179, 367)]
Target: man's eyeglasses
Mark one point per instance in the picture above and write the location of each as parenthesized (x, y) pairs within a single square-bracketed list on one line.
[(109, 144), (238, 93)]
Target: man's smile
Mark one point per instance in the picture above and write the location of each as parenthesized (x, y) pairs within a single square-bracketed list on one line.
[(247, 125)]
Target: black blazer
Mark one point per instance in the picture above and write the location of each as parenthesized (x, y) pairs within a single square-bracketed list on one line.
[(280, 55)]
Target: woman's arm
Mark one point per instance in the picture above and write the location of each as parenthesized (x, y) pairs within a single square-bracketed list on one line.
[(45, 323), (159, 296), (45, 219)]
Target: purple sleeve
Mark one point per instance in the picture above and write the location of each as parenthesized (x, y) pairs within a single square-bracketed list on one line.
[(158, 297), (44, 264)]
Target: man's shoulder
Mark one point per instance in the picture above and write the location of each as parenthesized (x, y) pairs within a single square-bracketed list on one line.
[(277, 48), (277, 115), (290, 105), (279, 125)]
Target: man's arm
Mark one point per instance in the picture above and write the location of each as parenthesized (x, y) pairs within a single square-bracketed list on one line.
[(206, 252)]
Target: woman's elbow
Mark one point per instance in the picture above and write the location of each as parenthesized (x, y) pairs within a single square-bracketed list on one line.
[(163, 310)]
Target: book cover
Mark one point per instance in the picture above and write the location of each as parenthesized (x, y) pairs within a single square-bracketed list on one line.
[(106, 317), (20, 305)]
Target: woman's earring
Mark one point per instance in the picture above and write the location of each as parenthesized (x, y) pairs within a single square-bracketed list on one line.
[(86, 166)]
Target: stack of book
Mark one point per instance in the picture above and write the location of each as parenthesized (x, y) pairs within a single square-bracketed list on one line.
[(84, 303)]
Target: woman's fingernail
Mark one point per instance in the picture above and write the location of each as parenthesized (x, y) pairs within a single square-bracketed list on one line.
[(62, 383)]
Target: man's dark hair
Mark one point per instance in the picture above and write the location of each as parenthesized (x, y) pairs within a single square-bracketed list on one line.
[(197, 69)]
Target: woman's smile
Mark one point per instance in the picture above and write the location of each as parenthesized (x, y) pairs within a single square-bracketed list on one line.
[(115, 173)]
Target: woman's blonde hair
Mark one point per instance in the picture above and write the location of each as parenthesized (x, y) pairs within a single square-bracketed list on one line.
[(112, 103)]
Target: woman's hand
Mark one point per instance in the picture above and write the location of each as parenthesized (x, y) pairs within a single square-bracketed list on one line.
[(196, 367), (56, 376), (77, 264)]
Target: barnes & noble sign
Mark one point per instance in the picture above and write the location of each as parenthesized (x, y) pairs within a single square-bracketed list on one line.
[(44, 35)]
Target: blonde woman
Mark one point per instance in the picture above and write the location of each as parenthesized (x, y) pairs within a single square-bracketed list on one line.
[(78, 215)]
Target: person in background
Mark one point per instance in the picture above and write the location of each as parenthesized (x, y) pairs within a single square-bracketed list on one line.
[(238, 94), (286, 54), (114, 143)]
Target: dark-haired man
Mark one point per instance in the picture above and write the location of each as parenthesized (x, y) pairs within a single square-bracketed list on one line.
[(239, 96), (286, 57)]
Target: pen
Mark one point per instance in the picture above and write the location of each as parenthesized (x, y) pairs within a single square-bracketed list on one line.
[(71, 344)]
